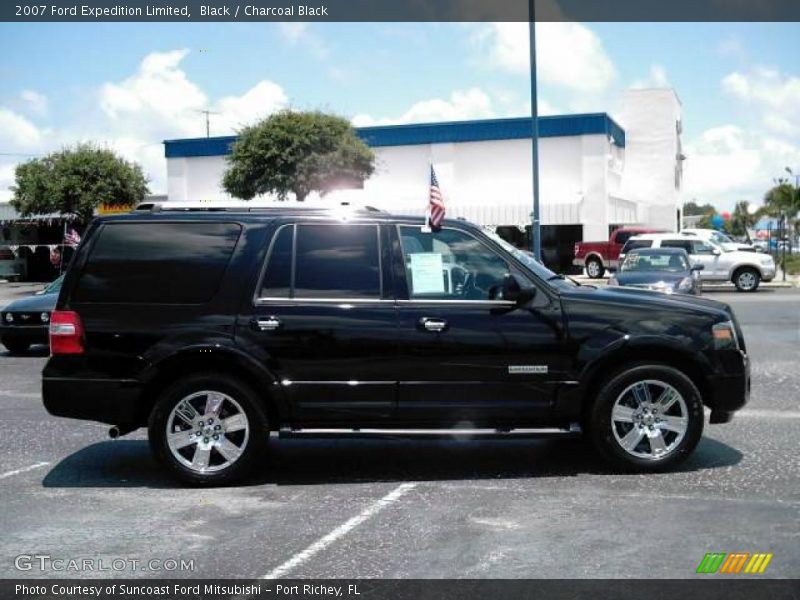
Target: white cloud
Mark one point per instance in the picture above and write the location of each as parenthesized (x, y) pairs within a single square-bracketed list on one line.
[(728, 163), (656, 78), (18, 133), (300, 34), (35, 102), (568, 55), (774, 95), (158, 101), (462, 105)]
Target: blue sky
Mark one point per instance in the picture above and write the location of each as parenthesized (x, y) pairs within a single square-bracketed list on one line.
[(132, 85)]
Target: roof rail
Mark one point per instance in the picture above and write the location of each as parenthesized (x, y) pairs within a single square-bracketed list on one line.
[(250, 206)]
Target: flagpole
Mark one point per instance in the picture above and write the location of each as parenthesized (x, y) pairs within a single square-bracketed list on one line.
[(535, 225), (426, 228)]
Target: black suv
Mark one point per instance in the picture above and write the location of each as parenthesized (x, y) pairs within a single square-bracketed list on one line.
[(214, 327)]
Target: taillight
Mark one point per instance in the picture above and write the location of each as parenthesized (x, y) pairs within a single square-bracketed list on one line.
[(66, 332)]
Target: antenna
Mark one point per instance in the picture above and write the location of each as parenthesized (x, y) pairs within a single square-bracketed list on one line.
[(207, 113)]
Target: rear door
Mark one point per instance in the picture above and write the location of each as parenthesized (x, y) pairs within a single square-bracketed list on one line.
[(324, 320)]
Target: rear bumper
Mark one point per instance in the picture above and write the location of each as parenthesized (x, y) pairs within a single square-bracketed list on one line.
[(729, 392), (112, 401)]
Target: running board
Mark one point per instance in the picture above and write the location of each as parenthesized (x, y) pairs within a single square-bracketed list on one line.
[(574, 430)]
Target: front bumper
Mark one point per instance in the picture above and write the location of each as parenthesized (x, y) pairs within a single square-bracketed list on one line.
[(768, 273), (730, 391), (36, 334)]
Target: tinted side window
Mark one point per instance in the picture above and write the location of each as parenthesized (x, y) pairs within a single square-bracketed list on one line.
[(337, 261), (683, 244), (159, 263), (701, 248), (278, 276)]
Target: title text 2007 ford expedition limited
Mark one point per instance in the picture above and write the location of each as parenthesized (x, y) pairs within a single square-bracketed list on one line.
[(214, 327)]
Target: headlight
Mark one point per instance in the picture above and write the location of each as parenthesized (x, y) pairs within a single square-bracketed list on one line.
[(766, 260), (9, 318), (45, 317), (725, 336), (612, 281), (685, 285)]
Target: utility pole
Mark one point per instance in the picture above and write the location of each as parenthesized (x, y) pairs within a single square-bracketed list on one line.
[(208, 113), (536, 233)]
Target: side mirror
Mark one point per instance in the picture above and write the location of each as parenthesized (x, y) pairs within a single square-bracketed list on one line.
[(514, 292), (716, 252), (698, 267)]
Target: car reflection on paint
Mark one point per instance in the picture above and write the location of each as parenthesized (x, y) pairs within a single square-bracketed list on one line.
[(665, 270)]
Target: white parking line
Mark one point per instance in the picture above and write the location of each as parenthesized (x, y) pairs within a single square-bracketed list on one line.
[(24, 469), (768, 414), (340, 531)]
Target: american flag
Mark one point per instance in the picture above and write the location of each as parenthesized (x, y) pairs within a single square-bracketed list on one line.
[(71, 238), (436, 203)]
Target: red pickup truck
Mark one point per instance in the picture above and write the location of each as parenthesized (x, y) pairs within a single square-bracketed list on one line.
[(599, 256)]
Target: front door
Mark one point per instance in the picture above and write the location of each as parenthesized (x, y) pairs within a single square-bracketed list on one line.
[(466, 356), (323, 325)]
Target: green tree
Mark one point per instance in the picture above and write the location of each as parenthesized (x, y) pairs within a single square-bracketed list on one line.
[(74, 181), (782, 199), (741, 219), (297, 152), (692, 208)]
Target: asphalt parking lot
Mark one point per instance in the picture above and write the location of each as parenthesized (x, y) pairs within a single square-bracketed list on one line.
[(414, 509)]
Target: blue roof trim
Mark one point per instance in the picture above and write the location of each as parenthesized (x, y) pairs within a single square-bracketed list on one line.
[(436, 133)]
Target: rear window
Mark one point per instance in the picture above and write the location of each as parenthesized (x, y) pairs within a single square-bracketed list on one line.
[(158, 263)]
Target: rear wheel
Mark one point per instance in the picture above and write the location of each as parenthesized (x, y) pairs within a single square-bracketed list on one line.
[(16, 346), (647, 418), (594, 268), (208, 429), (746, 279)]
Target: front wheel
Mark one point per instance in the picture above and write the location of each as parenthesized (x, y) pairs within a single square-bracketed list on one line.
[(647, 418), (594, 268), (746, 280), (208, 429)]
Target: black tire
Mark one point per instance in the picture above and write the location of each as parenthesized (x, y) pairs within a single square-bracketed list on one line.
[(746, 279), (253, 448), (600, 424), (595, 268), (16, 346)]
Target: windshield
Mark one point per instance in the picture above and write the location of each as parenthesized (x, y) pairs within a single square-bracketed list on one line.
[(720, 238), (527, 259), (54, 286), (641, 262)]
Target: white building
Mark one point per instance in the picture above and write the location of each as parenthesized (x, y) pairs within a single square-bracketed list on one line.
[(595, 172)]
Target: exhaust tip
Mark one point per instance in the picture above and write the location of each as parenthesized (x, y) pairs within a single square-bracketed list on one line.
[(114, 432)]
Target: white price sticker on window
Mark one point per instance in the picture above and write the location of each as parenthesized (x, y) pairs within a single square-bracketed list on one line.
[(427, 273)]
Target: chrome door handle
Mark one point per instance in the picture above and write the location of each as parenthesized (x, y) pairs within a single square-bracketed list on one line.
[(434, 325), (267, 324)]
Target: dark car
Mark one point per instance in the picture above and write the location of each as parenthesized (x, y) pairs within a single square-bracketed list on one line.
[(214, 327), (26, 321), (665, 270)]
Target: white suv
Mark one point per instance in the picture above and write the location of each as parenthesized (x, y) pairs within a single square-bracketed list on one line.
[(718, 238), (745, 269)]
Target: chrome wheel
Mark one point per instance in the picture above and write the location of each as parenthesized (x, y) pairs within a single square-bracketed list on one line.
[(593, 269), (649, 419), (746, 280), (207, 431)]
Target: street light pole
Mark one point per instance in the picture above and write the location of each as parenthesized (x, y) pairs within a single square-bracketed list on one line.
[(536, 225)]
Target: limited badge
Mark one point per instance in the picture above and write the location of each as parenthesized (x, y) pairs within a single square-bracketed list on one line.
[(527, 369)]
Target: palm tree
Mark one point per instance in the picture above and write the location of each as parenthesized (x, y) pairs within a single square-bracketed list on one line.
[(742, 219)]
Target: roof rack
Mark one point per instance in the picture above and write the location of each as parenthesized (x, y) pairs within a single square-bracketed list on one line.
[(250, 206)]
